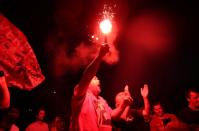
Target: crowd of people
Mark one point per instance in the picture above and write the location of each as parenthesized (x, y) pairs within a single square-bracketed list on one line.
[(91, 112)]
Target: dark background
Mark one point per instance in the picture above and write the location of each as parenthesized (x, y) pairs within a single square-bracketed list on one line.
[(168, 75)]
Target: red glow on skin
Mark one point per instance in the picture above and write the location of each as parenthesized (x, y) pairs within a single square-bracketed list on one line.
[(153, 32)]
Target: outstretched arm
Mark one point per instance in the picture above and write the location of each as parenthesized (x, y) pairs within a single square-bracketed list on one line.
[(4, 92), (144, 92), (90, 71)]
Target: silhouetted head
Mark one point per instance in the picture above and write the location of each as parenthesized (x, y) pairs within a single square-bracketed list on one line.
[(13, 114), (119, 98), (41, 114)]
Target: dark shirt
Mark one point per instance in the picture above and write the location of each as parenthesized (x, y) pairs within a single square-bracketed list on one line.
[(4, 125), (190, 117), (137, 122)]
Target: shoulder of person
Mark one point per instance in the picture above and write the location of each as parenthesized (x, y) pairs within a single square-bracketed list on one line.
[(14, 128), (170, 115), (102, 99)]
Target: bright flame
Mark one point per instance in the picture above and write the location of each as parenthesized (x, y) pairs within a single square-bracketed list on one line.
[(106, 26)]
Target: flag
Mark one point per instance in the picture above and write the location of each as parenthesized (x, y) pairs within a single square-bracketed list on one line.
[(17, 58)]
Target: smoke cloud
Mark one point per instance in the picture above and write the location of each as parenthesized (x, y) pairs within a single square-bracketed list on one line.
[(62, 61)]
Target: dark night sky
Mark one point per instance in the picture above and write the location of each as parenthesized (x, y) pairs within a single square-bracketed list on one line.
[(168, 76)]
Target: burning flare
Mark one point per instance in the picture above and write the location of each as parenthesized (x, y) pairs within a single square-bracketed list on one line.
[(106, 26)]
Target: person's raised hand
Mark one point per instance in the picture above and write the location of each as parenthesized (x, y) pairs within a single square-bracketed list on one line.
[(144, 91), (127, 101), (126, 90), (104, 49)]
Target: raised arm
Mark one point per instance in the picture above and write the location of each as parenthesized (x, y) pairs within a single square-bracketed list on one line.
[(121, 111), (90, 71), (4, 92), (118, 111), (126, 110), (144, 92)]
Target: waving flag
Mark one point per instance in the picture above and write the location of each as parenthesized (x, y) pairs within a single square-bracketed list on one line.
[(17, 58)]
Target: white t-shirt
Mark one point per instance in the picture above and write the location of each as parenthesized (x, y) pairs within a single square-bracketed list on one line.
[(37, 126)]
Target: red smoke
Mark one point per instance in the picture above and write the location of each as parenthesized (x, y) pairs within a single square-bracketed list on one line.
[(62, 61), (71, 17), (152, 31)]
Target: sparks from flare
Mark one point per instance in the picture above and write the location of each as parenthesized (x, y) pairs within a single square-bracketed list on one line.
[(106, 25)]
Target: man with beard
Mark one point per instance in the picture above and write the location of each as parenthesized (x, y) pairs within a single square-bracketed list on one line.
[(190, 114)]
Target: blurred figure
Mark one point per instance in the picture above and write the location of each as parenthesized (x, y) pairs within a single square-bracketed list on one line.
[(190, 114), (90, 112), (8, 122), (177, 126), (160, 119), (39, 124), (4, 92), (57, 124), (133, 119)]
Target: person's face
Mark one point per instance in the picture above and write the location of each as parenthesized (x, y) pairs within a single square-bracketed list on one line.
[(158, 110), (41, 115), (119, 98), (94, 86), (194, 99), (14, 114), (59, 123)]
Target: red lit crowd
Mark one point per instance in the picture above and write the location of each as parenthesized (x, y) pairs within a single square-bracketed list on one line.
[(91, 112)]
